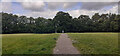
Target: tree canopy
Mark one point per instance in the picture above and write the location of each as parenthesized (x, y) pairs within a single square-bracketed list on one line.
[(61, 22)]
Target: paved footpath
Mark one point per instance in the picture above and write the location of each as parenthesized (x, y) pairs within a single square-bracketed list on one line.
[(64, 46)]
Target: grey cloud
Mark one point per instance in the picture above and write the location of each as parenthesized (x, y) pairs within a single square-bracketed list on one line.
[(96, 5), (43, 6), (64, 5), (54, 5), (35, 9), (69, 4), (6, 6), (33, 6)]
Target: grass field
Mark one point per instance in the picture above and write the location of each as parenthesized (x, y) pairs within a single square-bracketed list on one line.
[(95, 43), (86, 43), (0, 44), (28, 43)]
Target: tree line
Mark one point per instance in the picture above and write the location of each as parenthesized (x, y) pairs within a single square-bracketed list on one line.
[(61, 22)]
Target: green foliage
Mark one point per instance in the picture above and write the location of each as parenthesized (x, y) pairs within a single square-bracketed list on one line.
[(61, 22), (95, 43), (22, 24)]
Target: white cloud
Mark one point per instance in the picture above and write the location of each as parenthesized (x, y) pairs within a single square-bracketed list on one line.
[(34, 6), (6, 0), (0, 7), (77, 13), (73, 13), (6, 6), (42, 6), (50, 13), (114, 9), (45, 14), (69, 4), (68, 0)]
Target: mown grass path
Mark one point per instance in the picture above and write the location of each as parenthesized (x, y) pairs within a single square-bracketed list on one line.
[(64, 46)]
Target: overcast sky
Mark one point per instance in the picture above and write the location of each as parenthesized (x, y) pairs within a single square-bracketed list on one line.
[(49, 9)]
